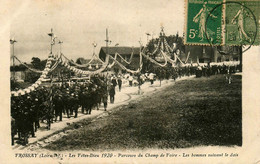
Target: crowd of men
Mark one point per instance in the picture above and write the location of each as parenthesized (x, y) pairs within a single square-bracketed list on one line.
[(51, 103), (208, 70)]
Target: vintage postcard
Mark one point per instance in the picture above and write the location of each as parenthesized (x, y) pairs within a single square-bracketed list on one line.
[(92, 81)]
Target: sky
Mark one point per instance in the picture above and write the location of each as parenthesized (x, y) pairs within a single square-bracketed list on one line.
[(79, 23)]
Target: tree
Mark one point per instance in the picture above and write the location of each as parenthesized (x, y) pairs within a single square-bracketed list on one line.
[(19, 67), (31, 77), (37, 63), (79, 60)]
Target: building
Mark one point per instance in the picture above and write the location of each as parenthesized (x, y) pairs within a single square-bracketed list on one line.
[(125, 53), (19, 76), (206, 54)]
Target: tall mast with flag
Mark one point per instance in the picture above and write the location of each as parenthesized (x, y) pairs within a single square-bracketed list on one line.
[(51, 34), (53, 37), (13, 41), (107, 41)]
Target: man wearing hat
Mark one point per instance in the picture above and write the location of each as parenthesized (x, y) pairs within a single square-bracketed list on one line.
[(119, 81)]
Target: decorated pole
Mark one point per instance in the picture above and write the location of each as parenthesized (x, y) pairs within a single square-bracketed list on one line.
[(51, 98), (51, 106), (60, 72), (53, 37), (69, 77), (62, 79), (148, 34), (139, 74), (162, 37), (60, 43), (94, 47), (107, 40), (13, 41)]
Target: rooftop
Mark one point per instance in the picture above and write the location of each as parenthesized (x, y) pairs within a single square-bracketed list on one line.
[(121, 50)]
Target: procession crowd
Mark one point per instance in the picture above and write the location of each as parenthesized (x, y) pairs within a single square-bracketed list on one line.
[(51, 103)]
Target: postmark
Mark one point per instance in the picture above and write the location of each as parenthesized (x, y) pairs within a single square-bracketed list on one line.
[(239, 26), (242, 22)]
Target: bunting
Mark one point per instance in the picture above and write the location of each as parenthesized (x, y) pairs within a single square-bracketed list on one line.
[(38, 82)]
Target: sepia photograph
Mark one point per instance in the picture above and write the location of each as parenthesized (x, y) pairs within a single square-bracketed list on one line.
[(131, 81)]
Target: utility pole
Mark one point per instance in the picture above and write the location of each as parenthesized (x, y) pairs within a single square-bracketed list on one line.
[(13, 41)]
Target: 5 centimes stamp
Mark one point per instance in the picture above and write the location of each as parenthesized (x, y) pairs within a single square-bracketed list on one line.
[(197, 12), (242, 22)]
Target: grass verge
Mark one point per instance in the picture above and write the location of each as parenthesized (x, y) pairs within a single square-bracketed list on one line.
[(199, 111)]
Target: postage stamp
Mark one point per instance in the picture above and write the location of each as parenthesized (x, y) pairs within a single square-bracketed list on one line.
[(226, 22), (242, 22), (197, 12)]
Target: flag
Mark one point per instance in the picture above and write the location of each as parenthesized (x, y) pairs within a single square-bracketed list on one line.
[(12, 41), (53, 39)]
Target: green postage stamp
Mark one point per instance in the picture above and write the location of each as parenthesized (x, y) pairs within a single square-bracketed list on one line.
[(199, 27), (222, 22), (242, 22)]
